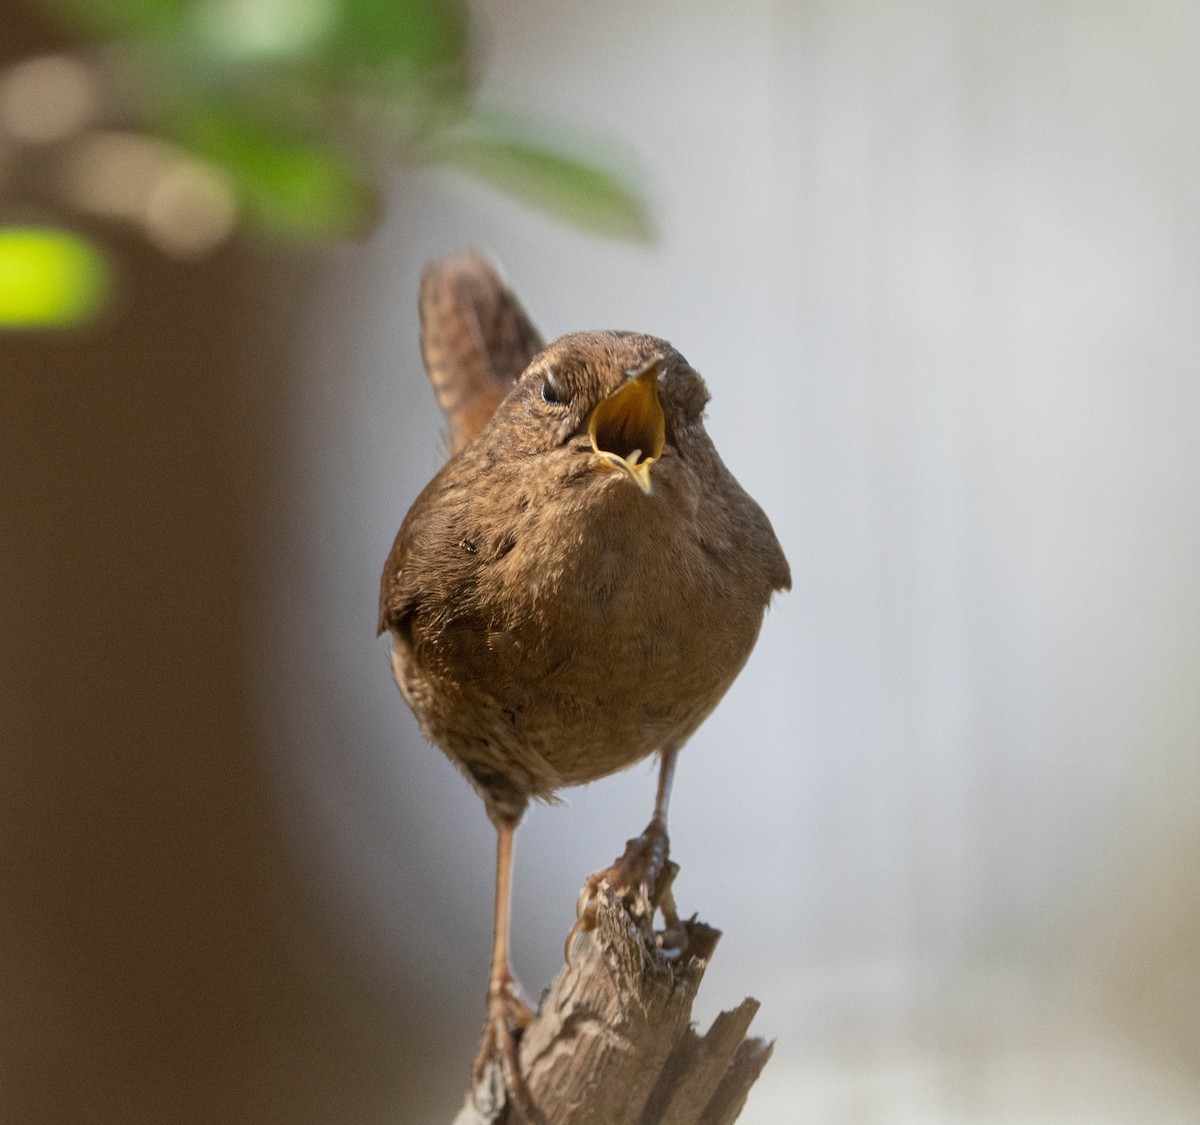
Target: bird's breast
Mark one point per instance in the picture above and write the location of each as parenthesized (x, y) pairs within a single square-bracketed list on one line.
[(615, 633)]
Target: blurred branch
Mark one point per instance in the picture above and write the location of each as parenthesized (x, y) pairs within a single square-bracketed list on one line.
[(613, 1043), (512, 156)]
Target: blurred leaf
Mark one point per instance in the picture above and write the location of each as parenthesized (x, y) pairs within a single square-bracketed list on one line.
[(502, 154), (300, 101), (428, 33), (122, 17), (49, 278), (262, 31), (293, 186)]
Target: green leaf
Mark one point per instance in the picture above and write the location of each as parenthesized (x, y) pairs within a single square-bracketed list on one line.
[(547, 178), (425, 36), (49, 278), (430, 34), (122, 17), (293, 186), (258, 32)]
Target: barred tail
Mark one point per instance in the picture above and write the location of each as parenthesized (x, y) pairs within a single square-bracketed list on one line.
[(475, 338)]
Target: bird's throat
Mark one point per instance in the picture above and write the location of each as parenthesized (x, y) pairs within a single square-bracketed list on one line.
[(628, 428)]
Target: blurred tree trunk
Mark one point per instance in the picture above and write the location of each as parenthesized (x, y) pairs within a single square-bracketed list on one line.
[(150, 929)]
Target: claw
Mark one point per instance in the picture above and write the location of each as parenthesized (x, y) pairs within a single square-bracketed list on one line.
[(586, 907), (507, 1016), (586, 893), (673, 940), (575, 931), (639, 870)]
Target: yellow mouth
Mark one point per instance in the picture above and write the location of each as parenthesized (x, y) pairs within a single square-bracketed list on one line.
[(628, 429)]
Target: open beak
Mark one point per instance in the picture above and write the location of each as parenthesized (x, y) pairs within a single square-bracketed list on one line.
[(628, 429)]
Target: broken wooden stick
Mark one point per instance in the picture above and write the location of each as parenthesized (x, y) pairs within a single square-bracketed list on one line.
[(613, 1044)]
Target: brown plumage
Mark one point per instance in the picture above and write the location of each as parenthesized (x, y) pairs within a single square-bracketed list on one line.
[(580, 584)]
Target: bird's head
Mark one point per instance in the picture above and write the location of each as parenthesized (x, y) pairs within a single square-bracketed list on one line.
[(621, 398)]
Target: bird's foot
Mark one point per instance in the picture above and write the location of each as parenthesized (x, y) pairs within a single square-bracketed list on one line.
[(507, 1016), (642, 879)]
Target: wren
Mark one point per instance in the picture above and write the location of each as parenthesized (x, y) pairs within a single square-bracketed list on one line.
[(579, 584)]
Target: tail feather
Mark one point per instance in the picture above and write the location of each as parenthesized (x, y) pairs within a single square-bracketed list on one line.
[(475, 339)]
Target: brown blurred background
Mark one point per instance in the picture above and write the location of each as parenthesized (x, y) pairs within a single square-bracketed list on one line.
[(150, 929), (940, 264)]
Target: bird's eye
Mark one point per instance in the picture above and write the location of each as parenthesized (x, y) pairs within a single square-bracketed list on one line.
[(551, 389)]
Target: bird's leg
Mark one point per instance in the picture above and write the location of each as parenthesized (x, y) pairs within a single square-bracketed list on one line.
[(507, 1012), (643, 869)]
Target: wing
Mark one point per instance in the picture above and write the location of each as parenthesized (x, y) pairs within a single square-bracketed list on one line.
[(475, 338)]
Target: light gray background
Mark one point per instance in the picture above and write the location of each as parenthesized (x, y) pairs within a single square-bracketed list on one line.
[(940, 264)]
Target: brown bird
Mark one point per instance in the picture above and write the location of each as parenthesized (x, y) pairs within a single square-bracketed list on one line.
[(580, 583)]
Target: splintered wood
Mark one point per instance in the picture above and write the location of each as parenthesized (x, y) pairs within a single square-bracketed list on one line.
[(613, 1042)]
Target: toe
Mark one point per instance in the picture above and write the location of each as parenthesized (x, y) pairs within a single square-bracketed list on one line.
[(506, 1012)]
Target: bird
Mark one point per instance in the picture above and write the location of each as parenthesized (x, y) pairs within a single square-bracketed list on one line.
[(577, 586)]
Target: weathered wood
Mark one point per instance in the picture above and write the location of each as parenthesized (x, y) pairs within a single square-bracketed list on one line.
[(613, 1042)]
